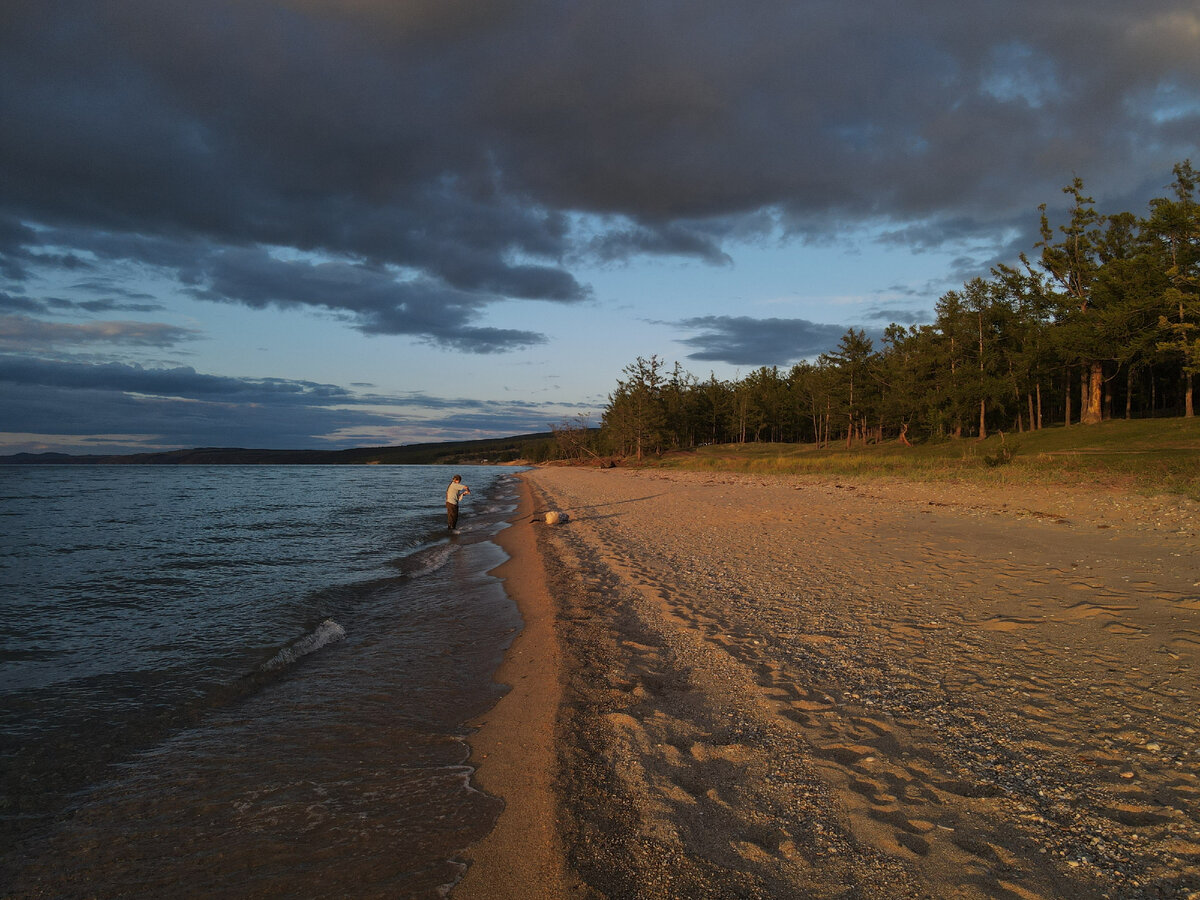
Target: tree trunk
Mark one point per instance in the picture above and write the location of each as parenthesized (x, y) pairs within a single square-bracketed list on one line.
[(1038, 387), (1092, 380), (1189, 409), (1068, 397), (982, 402), (1129, 393), (1083, 396)]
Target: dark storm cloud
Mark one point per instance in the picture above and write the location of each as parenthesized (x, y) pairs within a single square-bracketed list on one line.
[(379, 303), (673, 239), (742, 341), (461, 144), (931, 111)]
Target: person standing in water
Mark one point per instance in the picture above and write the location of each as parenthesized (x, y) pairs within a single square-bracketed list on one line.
[(454, 493)]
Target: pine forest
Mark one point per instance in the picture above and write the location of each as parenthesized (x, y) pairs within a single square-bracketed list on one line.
[(1101, 319)]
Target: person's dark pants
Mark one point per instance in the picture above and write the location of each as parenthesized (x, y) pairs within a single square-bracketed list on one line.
[(452, 514)]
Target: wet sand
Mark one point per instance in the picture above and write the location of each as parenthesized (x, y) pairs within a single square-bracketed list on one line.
[(792, 687), (514, 750)]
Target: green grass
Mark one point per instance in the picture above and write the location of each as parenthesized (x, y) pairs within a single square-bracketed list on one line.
[(1146, 455)]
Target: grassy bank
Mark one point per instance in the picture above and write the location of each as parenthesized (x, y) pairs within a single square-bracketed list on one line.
[(1148, 455)]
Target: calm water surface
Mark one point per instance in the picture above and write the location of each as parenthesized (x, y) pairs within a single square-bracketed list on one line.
[(251, 680)]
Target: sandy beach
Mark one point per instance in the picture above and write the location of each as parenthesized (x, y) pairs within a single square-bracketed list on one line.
[(741, 686)]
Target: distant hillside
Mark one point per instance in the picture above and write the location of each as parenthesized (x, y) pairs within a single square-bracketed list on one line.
[(489, 450)]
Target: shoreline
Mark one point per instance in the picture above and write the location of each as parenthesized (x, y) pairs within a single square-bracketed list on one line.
[(514, 749)]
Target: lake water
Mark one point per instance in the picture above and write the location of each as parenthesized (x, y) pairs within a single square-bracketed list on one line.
[(244, 680)]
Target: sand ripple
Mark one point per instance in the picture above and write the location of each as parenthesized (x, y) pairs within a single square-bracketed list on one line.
[(795, 688)]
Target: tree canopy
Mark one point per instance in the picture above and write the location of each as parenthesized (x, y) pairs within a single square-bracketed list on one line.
[(1105, 321)]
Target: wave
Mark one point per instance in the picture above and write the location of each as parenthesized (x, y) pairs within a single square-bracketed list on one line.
[(427, 560), (328, 632)]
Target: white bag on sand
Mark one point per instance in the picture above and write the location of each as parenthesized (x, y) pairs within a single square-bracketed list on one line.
[(556, 518)]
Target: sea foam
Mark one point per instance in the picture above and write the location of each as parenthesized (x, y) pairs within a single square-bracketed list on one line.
[(328, 632)]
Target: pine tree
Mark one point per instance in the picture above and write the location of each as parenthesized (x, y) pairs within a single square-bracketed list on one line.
[(1073, 262), (1175, 224)]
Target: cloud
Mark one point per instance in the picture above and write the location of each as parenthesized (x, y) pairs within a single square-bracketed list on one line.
[(377, 301), (374, 298), (676, 239), (897, 314), (16, 303), (182, 382), (60, 305), (743, 341), (25, 333), (475, 148), (57, 414), (110, 290), (407, 168), (110, 305), (68, 405)]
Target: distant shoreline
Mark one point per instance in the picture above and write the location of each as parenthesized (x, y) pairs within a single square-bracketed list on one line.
[(487, 451)]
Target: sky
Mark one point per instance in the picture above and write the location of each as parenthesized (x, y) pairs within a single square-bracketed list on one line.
[(334, 223)]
